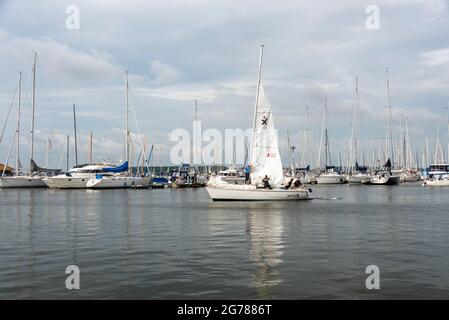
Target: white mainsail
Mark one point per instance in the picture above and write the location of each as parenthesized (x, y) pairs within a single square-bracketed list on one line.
[(265, 156)]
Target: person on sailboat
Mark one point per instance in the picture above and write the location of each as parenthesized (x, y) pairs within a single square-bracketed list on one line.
[(266, 182), (247, 173), (289, 184)]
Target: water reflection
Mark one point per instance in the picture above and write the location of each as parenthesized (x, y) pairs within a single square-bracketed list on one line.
[(265, 231)]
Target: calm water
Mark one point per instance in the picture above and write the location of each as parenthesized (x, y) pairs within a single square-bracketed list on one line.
[(150, 244)]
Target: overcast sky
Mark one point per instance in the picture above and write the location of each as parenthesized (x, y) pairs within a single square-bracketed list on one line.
[(179, 51)]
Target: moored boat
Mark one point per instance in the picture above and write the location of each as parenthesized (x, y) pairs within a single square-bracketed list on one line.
[(384, 177)]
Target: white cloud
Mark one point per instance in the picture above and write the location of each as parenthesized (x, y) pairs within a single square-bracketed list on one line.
[(163, 73), (436, 57)]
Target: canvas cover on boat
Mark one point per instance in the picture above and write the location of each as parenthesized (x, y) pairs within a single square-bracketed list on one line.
[(121, 168)]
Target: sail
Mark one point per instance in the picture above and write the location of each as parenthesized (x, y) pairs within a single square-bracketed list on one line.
[(35, 168), (265, 156)]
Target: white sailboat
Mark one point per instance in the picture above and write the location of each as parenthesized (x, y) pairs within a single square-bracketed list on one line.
[(386, 176), (355, 175), (331, 175), (265, 160), (120, 180), (29, 180)]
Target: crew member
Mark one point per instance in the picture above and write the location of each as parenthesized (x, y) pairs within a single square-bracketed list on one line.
[(266, 182)]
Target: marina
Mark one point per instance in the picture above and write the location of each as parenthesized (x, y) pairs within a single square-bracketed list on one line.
[(185, 151)]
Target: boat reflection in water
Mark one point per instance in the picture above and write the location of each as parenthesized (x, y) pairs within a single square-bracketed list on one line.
[(265, 232)]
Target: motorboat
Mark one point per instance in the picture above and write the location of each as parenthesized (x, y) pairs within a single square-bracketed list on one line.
[(77, 177), (441, 180), (231, 175)]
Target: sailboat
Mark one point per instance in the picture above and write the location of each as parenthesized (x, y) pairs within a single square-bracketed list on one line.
[(120, 180), (265, 160), (331, 175), (385, 176), (30, 180), (356, 174)]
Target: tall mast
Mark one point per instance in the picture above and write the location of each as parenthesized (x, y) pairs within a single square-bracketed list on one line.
[(48, 152), (305, 157), (326, 141), (126, 121), (389, 134), (90, 147), (259, 72), (307, 142), (291, 150), (353, 146), (193, 148), (67, 154), (323, 126), (18, 125), (76, 141), (32, 110), (447, 121), (196, 111)]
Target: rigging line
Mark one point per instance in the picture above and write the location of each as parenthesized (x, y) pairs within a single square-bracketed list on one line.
[(9, 112), (15, 134), (138, 128)]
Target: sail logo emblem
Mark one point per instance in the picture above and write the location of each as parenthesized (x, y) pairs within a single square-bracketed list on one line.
[(271, 155), (264, 120)]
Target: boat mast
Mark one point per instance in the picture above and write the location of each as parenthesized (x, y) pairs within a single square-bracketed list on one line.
[(68, 150), (291, 150), (353, 145), (390, 152), (76, 141), (18, 125), (126, 121), (90, 147), (306, 149), (326, 141), (323, 125), (48, 152), (447, 121), (259, 72), (32, 110)]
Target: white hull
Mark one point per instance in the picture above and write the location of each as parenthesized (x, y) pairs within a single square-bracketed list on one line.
[(66, 182), (324, 179), (391, 180), (22, 182), (117, 182), (308, 179), (358, 178), (437, 183), (409, 178), (250, 193)]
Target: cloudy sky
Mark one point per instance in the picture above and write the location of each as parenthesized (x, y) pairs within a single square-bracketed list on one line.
[(178, 51)]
